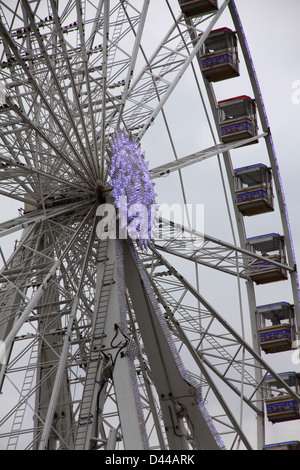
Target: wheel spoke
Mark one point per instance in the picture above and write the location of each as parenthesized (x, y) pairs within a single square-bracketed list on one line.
[(111, 339)]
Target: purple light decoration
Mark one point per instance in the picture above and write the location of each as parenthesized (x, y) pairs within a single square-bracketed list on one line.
[(275, 169), (133, 189)]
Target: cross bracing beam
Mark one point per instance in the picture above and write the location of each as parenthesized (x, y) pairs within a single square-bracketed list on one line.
[(66, 282), (153, 82), (43, 286), (38, 90), (108, 358), (209, 316), (56, 81), (183, 162)]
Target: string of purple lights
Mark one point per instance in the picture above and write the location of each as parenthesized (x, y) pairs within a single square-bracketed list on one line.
[(133, 189)]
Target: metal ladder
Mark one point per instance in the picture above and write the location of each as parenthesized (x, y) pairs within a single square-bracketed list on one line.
[(119, 23), (89, 397), (26, 387)]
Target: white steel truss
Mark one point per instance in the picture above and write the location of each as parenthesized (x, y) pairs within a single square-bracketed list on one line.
[(108, 346)]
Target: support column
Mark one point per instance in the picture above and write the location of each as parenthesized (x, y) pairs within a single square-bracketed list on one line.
[(180, 398), (110, 358)]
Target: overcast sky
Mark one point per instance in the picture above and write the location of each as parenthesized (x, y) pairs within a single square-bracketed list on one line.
[(273, 33)]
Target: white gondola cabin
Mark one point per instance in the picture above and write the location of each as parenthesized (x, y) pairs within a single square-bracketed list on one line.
[(237, 119), (281, 405), (271, 247), (289, 445), (253, 189), (219, 55), (276, 327), (198, 7)]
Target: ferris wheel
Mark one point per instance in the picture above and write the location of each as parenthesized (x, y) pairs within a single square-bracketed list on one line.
[(121, 327)]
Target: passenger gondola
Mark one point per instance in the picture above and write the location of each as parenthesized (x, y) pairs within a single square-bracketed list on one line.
[(219, 55)]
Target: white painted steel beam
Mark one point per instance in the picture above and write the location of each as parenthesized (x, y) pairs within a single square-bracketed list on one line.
[(178, 396)]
